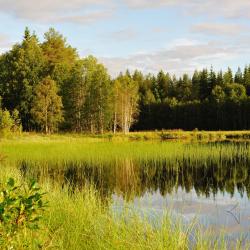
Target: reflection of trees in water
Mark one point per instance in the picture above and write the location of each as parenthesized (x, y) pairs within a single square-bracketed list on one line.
[(132, 179)]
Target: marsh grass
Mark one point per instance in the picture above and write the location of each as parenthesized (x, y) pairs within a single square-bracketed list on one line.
[(81, 220), (62, 149)]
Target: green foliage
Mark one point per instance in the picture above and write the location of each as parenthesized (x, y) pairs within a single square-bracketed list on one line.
[(126, 101), (6, 121), (9, 123), (235, 92), (17, 124), (218, 94), (228, 77), (59, 58), (184, 86), (21, 69), (47, 105), (57, 52), (21, 208), (162, 81), (98, 103), (238, 78), (90, 99)]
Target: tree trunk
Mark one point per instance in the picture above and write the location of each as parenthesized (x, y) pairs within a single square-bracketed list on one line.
[(46, 122), (115, 123)]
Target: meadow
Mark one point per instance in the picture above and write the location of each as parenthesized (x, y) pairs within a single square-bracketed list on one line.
[(81, 218)]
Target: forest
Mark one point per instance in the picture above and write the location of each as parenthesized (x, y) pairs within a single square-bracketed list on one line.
[(46, 86)]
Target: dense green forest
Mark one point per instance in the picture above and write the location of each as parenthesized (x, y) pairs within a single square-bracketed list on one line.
[(46, 86)]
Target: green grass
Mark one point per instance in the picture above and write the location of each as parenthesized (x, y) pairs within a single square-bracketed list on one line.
[(66, 148), (164, 135), (82, 220)]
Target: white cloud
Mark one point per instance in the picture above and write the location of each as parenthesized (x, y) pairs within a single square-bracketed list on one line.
[(149, 3), (86, 18), (178, 56), (58, 10), (175, 59), (221, 29), (75, 10), (226, 8), (182, 42)]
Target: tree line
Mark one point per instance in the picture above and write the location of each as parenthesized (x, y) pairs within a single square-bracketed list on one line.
[(46, 86), (207, 100)]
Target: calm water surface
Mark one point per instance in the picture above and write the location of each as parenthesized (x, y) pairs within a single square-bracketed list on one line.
[(215, 193)]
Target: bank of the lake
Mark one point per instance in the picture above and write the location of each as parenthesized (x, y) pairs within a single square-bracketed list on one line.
[(86, 177), (162, 135)]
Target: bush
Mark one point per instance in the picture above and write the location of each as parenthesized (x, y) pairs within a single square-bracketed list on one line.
[(21, 210), (9, 123)]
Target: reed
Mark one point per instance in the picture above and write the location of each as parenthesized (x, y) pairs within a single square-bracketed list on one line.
[(82, 220)]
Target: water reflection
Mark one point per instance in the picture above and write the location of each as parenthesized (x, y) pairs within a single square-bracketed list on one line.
[(215, 191), (131, 179)]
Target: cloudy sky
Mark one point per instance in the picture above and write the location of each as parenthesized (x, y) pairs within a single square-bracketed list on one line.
[(174, 35)]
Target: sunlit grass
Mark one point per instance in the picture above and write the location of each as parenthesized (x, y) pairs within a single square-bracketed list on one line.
[(65, 148), (82, 220)]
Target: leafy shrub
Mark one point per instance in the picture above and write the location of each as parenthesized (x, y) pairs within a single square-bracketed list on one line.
[(9, 122), (21, 210)]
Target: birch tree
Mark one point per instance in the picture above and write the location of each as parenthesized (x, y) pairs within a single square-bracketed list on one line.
[(125, 103)]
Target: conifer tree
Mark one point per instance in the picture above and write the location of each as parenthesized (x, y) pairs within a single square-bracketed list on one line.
[(228, 76), (21, 69), (239, 77)]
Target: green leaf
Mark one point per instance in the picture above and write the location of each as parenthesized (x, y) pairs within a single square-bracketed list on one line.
[(32, 184), (11, 182)]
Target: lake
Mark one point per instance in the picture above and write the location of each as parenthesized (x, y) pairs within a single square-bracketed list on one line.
[(204, 182)]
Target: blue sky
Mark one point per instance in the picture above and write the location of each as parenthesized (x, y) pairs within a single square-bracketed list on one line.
[(174, 35)]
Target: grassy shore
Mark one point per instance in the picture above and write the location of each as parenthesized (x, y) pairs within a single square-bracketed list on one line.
[(65, 148), (82, 220), (187, 135), (195, 135)]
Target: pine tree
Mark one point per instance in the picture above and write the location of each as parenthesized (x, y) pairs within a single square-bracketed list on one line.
[(21, 69), (163, 81), (204, 85), (60, 58), (195, 85), (212, 80), (228, 77), (184, 87), (238, 78), (246, 80), (219, 79)]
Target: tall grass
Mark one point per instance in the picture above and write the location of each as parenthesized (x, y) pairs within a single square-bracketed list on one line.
[(82, 220), (91, 150)]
